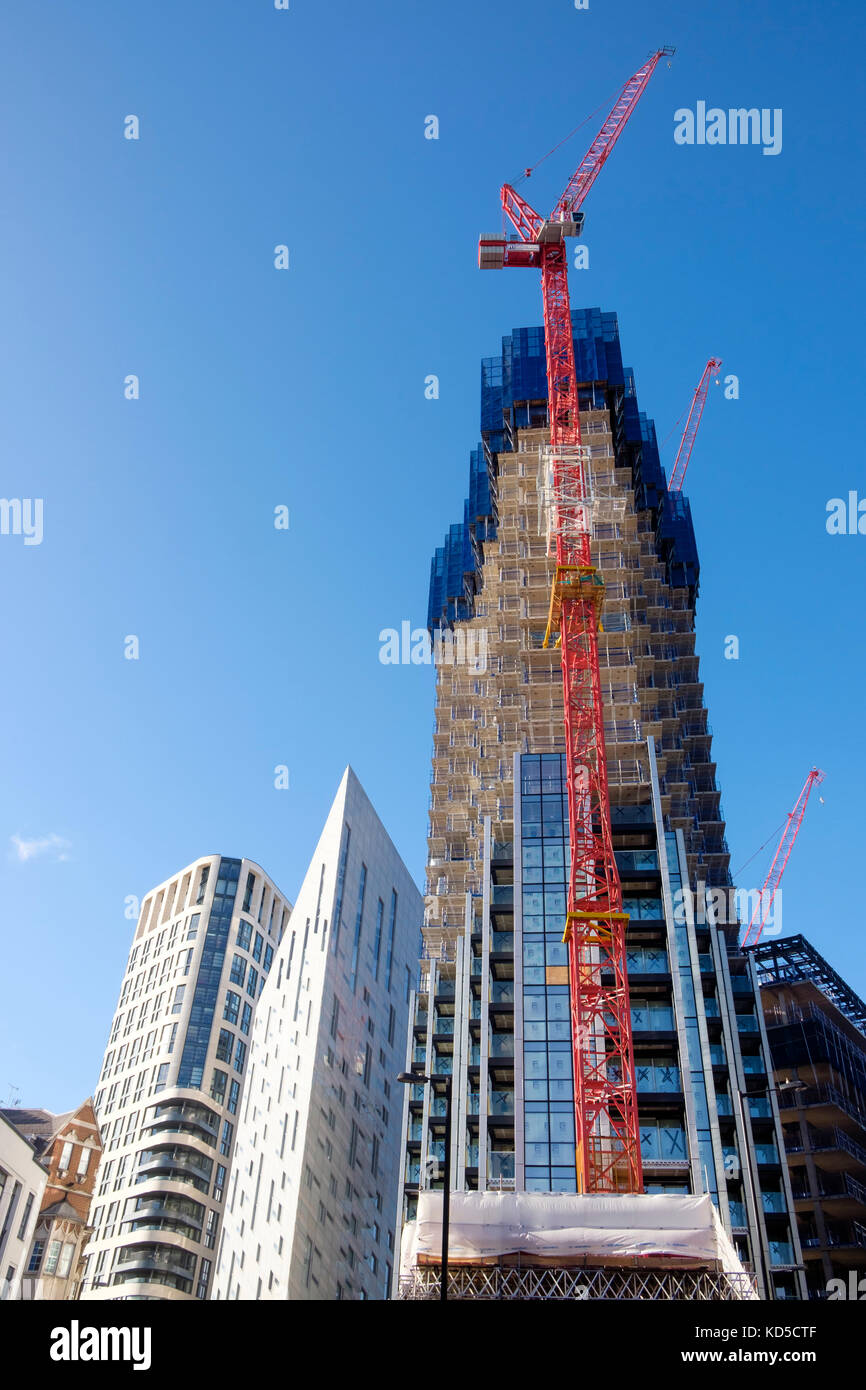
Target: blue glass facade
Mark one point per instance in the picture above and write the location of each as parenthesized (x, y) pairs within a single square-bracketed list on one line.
[(547, 1061), (198, 1033), (514, 396)]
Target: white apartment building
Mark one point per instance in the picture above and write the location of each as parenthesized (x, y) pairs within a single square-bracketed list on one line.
[(169, 1093), (313, 1194), (22, 1183)]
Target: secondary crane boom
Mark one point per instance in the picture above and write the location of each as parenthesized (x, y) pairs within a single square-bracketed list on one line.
[(696, 410), (780, 858), (607, 1137)]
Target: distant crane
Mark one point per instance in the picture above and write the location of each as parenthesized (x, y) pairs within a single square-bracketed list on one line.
[(780, 858), (696, 410), (605, 1095)]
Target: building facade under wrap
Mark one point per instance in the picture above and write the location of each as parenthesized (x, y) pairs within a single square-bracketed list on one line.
[(492, 1004)]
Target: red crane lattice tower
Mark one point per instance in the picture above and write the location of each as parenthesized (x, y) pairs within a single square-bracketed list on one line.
[(762, 908), (696, 410), (607, 1136)]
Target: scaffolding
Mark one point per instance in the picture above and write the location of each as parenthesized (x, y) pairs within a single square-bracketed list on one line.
[(514, 1282)]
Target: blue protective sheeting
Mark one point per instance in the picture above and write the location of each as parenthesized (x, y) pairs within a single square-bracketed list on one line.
[(513, 396)]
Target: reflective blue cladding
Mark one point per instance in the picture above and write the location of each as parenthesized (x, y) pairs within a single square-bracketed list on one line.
[(210, 970), (514, 396), (547, 1061)]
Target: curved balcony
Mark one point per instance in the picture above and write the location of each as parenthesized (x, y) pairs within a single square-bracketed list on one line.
[(152, 1276), (157, 1257), (178, 1165), (187, 1113), (167, 1206), (165, 1128), (165, 1225)]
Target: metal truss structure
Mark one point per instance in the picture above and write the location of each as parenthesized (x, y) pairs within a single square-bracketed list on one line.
[(501, 1282)]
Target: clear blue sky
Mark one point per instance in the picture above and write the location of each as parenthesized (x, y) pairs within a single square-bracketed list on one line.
[(306, 388)]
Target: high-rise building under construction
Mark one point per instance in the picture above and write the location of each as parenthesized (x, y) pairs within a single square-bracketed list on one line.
[(492, 1006)]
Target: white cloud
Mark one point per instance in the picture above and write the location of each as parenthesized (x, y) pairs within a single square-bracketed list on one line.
[(51, 845)]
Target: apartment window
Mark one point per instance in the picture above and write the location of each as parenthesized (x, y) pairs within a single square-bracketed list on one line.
[(36, 1257), (224, 1045), (268, 960), (240, 1055), (368, 1063), (234, 1096), (192, 926), (245, 935), (179, 992), (238, 970), (53, 1256), (335, 1017), (374, 1160), (226, 1138), (246, 1018), (188, 961), (248, 891), (210, 1230), (84, 1155), (353, 1144), (161, 1077), (359, 917), (232, 1009), (341, 883), (389, 952), (203, 1278), (202, 885), (219, 1183), (252, 981), (219, 1080), (66, 1155), (377, 939), (28, 1207), (65, 1263), (257, 947), (172, 1037)]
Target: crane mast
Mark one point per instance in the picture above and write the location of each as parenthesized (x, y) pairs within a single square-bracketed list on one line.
[(764, 904), (607, 1135)]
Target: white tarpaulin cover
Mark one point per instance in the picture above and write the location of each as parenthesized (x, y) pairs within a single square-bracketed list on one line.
[(567, 1228)]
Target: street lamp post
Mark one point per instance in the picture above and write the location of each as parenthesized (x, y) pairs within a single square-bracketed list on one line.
[(409, 1078)]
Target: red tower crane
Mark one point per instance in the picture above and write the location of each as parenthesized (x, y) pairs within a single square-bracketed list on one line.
[(696, 410), (780, 858), (607, 1136)]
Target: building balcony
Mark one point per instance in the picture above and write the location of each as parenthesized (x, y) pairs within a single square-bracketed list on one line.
[(824, 1104), (833, 1149), (781, 1253), (739, 1220), (500, 1169), (185, 1160), (501, 1103), (774, 1203), (185, 1113), (150, 1257), (766, 1154)]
